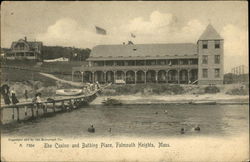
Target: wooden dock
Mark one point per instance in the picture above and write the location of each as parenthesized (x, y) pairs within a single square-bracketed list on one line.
[(63, 104)]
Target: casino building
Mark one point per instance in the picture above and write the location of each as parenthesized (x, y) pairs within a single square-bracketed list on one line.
[(181, 63)]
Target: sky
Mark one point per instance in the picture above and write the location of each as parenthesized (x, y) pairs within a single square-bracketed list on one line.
[(73, 23)]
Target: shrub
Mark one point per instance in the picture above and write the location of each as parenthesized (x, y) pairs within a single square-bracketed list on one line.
[(211, 89), (238, 91)]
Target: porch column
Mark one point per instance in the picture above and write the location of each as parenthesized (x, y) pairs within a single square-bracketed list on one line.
[(156, 76), (89, 77), (166, 76), (82, 76), (178, 76), (105, 80), (188, 76), (135, 76), (145, 79), (114, 76), (93, 76), (72, 76), (125, 77)]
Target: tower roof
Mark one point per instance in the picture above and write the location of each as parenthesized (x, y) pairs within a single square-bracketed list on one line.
[(210, 34)]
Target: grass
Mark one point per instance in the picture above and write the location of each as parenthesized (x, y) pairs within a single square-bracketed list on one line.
[(130, 89), (14, 75)]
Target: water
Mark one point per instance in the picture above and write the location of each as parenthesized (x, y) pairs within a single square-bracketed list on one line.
[(137, 121)]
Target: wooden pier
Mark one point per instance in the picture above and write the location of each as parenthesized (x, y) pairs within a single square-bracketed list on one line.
[(63, 104)]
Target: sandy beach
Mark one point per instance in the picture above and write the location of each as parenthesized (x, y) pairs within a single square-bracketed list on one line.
[(175, 99)]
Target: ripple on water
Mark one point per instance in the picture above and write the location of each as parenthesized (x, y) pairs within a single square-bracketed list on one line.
[(138, 120)]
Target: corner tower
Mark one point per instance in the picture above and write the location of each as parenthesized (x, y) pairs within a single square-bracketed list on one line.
[(211, 55)]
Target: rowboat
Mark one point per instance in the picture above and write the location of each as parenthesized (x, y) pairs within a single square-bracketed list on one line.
[(68, 92), (112, 102), (203, 102)]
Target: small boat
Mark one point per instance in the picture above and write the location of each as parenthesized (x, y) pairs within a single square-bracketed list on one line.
[(68, 92), (111, 102), (203, 102)]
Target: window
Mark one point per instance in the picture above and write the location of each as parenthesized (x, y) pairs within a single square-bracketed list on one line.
[(193, 62), (161, 62), (10, 54), (21, 54), (216, 73), (20, 46), (183, 62), (217, 59), (204, 59), (30, 54), (204, 44), (217, 44), (204, 73)]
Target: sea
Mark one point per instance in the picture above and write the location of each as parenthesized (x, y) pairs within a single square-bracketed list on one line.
[(158, 120)]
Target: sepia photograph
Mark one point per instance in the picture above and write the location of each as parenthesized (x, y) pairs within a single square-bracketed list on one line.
[(124, 81)]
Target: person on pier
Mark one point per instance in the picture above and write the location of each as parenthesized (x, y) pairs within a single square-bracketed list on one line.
[(37, 99), (13, 97), (5, 91)]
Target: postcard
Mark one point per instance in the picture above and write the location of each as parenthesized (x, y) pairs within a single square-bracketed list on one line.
[(124, 81)]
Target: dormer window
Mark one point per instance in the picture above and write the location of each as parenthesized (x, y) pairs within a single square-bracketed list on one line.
[(217, 44), (204, 44)]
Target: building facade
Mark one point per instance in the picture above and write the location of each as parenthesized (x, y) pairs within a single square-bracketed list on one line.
[(23, 49), (182, 63)]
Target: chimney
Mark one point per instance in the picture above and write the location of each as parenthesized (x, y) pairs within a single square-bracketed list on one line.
[(25, 38)]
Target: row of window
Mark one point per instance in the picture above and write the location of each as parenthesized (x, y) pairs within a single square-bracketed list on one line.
[(205, 73), (147, 62), (216, 59), (205, 44), (19, 54)]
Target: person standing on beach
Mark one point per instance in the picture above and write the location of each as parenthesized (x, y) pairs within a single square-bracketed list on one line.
[(26, 99)]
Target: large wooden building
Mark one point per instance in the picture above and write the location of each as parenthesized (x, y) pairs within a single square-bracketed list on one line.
[(181, 63), (23, 49)]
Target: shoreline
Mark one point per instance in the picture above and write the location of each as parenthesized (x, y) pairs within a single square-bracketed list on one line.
[(138, 99), (220, 99)]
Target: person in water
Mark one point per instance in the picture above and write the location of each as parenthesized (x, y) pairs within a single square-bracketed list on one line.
[(197, 128), (91, 129), (182, 131)]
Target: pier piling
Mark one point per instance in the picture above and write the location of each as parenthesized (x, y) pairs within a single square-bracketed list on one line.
[(32, 111), (25, 110), (54, 107), (37, 110), (17, 109), (13, 111)]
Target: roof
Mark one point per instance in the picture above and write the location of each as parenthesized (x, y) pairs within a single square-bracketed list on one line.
[(112, 52), (31, 44), (210, 34), (34, 44)]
